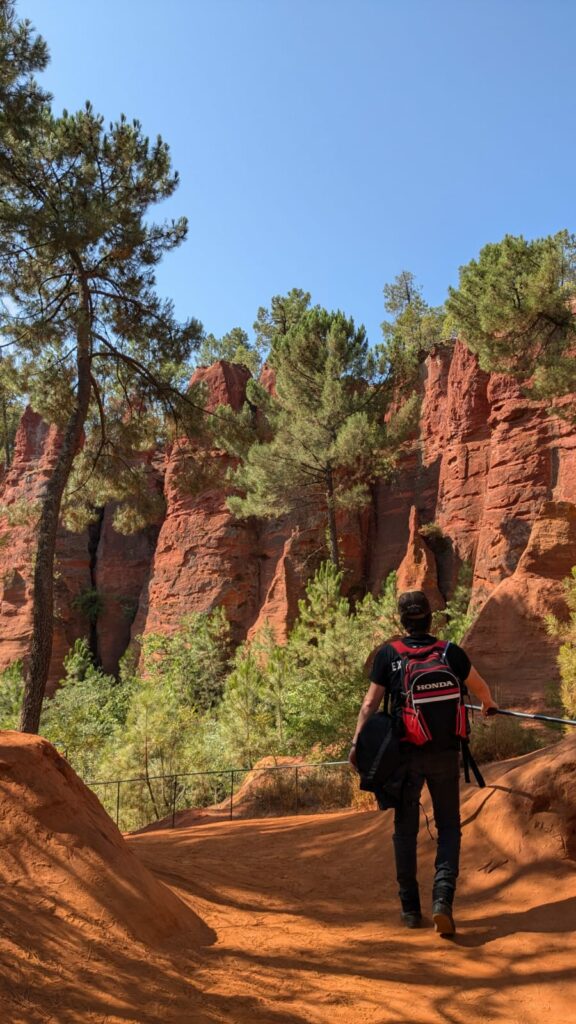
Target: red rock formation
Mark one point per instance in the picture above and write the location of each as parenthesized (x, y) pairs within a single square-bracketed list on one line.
[(508, 643), (486, 461), (418, 569), (204, 557)]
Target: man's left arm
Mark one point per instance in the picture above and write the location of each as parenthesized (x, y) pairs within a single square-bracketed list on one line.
[(370, 704)]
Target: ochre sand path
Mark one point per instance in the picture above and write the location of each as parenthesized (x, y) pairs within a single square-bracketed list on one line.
[(280, 921), (307, 922)]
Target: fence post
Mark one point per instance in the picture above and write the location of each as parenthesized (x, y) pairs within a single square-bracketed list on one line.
[(231, 794), (174, 787), (297, 800), (118, 805)]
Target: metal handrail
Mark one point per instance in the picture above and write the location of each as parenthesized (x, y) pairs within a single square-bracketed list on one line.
[(523, 714)]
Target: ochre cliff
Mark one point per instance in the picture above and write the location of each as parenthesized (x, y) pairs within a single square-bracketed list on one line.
[(491, 476)]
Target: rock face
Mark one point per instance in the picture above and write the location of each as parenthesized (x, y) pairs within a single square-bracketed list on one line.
[(476, 487), (508, 642), (418, 569)]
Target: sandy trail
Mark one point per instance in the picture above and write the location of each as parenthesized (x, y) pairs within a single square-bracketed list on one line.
[(306, 918), (284, 920)]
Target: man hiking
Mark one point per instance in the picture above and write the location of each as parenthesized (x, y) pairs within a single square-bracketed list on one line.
[(424, 681)]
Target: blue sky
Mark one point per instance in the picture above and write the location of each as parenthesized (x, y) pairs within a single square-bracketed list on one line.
[(329, 144)]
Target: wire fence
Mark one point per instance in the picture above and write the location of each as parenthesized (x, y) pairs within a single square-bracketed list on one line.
[(188, 797)]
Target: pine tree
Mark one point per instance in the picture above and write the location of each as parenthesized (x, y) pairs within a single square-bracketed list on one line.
[(414, 330), (328, 439), (93, 342), (514, 307), (234, 347), (286, 311)]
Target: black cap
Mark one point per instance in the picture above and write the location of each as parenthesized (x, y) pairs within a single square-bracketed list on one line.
[(414, 605)]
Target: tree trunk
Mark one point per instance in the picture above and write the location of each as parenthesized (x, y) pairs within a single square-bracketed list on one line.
[(7, 445), (331, 510), (43, 594)]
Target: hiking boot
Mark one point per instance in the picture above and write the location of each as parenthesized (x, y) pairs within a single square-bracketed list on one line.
[(411, 918), (442, 917)]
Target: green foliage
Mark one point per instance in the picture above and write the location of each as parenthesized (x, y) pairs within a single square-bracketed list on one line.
[(514, 309), (502, 737), (566, 633), (90, 603), (93, 346), (234, 347), (170, 724), (11, 690), (285, 313), (328, 436), (414, 330), (191, 662), (457, 617), (85, 710), (246, 723)]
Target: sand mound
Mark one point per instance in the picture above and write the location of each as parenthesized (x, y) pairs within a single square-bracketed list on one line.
[(71, 891), (529, 809)]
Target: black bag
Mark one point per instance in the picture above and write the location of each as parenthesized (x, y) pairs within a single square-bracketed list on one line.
[(379, 761)]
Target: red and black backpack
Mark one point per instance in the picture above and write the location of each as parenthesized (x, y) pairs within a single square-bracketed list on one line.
[(429, 695)]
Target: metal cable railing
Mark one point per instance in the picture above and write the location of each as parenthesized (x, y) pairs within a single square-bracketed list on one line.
[(161, 797)]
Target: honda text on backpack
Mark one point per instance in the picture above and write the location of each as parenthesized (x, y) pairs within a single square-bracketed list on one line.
[(417, 739)]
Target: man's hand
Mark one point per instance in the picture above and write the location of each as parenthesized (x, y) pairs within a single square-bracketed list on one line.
[(352, 756), (489, 707)]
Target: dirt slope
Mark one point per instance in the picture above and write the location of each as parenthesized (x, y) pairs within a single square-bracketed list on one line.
[(302, 912)]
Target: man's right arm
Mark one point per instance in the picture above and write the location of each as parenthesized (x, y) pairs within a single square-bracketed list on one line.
[(479, 687)]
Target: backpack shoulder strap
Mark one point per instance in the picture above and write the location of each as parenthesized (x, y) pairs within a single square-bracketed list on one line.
[(400, 647)]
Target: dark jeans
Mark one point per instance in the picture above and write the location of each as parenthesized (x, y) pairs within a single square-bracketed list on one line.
[(441, 771)]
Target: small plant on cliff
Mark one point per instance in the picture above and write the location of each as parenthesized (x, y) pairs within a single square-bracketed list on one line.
[(514, 307), (89, 603), (566, 632), (98, 352)]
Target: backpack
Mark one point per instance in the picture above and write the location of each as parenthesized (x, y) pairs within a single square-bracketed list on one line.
[(430, 696)]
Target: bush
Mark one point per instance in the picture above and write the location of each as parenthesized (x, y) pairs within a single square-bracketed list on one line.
[(85, 710), (11, 693), (502, 737), (566, 631)]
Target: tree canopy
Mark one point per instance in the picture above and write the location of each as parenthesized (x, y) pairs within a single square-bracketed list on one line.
[(514, 307), (328, 438), (92, 342)]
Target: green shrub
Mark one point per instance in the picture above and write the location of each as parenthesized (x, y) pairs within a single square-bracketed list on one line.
[(89, 603), (11, 692), (566, 632), (501, 737)]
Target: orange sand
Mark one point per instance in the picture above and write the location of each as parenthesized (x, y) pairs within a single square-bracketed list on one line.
[(282, 921)]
